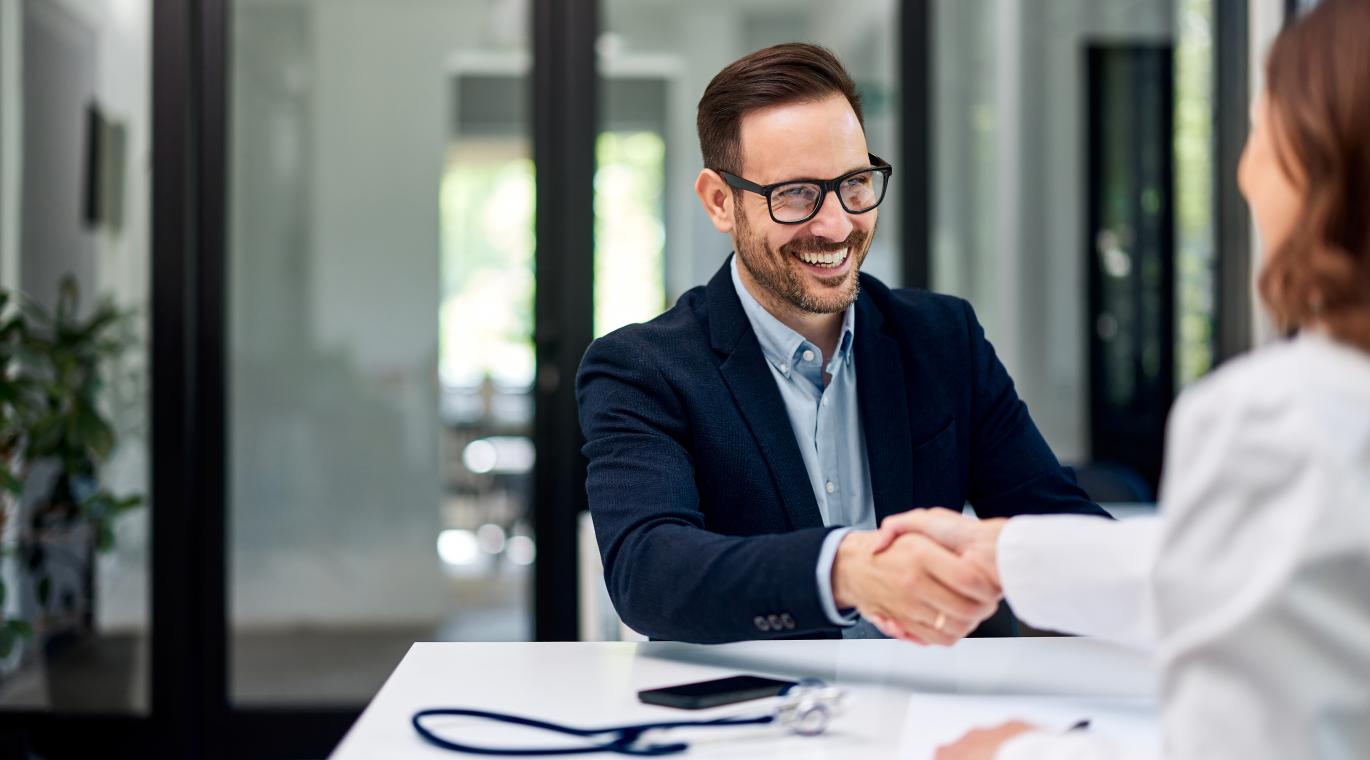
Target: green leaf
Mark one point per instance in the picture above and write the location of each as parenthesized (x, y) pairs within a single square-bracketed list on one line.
[(87, 431), (105, 542), (10, 632), (125, 504), (4, 590), (11, 483), (107, 317)]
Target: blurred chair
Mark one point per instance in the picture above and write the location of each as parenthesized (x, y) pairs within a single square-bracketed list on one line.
[(1110, 483), (598, 619)]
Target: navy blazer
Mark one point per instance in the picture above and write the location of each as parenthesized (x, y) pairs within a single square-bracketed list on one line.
[(706, 520)]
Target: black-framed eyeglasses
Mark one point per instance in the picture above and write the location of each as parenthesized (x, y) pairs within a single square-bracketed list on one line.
[(797, 201)]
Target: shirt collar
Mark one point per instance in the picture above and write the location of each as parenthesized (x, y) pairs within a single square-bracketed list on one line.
[(779, 343)]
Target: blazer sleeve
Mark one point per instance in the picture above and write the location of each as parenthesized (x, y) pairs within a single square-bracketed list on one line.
[(1012, 469), (667, 575)]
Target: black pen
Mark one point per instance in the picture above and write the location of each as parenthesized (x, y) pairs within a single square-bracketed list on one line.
[(1079, 725)]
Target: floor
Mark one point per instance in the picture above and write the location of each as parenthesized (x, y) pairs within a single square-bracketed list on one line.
[(295, 667)]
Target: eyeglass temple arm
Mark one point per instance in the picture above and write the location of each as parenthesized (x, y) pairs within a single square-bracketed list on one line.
[(735, 181)]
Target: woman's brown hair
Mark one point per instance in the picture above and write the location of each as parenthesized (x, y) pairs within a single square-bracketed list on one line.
[(1318, 82)]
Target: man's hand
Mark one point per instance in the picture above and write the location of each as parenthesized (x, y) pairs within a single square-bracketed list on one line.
[(982, 743), (925, 592), (977, 540), (974, 540)]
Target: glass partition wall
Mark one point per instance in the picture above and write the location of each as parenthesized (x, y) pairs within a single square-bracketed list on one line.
[(1013, 186), (380, 259)]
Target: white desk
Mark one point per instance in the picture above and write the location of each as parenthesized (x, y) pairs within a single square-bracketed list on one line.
[(905, 700)]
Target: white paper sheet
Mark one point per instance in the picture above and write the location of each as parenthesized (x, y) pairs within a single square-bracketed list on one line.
[(937, 719)]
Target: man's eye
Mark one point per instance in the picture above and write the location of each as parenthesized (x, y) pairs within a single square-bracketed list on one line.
[(795, 193), (859, 181)]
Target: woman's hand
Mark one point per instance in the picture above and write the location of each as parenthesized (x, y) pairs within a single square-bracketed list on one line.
[(983, 743)]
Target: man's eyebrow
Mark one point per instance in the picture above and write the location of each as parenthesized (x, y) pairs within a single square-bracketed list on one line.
[(867, 165)]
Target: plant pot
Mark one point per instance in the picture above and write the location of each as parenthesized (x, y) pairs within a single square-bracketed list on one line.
[(88, 672)]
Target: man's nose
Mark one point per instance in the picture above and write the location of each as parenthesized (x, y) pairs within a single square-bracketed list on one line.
[(832, 222)]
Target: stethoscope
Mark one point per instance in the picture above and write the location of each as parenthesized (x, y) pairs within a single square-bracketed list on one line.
[(805, 709)]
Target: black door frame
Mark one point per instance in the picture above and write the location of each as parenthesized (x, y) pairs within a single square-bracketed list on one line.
[(1232, 227), (565, 118)]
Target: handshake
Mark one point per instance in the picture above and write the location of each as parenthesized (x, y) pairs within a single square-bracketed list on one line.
[(928, 576)]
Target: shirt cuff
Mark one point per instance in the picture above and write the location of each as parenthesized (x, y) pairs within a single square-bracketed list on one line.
[(826, 557), (1072, 745)]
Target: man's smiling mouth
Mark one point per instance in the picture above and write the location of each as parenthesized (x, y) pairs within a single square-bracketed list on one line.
[(830, 260)]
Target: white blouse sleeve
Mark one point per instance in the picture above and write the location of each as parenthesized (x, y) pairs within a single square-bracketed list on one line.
[(1083, 575)]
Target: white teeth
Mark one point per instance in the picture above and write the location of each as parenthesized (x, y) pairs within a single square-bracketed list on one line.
[(824, 259)]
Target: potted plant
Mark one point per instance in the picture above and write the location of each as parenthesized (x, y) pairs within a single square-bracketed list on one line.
[(54, 513)]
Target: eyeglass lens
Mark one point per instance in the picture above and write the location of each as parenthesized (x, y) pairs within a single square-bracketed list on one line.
[(857, 193)]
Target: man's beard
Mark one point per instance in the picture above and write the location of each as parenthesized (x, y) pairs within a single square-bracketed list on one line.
[(781, 275)]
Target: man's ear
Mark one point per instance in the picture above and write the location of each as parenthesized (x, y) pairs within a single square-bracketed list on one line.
[(717, 198)]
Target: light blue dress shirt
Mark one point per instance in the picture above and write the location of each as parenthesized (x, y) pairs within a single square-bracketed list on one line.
[(827, 427)]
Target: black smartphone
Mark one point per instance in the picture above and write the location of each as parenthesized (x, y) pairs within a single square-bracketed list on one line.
[(720, 691)]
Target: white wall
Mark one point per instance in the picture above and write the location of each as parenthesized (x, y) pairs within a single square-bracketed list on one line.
[(11, 119)]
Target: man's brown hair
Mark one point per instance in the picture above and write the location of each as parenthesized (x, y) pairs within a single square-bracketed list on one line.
[(790, 73), (1318, 81)]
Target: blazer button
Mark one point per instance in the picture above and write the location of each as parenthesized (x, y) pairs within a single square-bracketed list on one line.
[(775, 622), (787, 621), (762, 623)]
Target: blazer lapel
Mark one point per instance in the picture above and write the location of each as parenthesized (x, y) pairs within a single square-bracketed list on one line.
[(882, 396), (749, 379)]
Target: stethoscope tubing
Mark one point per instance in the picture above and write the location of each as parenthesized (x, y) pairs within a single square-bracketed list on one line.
[(627, 735)]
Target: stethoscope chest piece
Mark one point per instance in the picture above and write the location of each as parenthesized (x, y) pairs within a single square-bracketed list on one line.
[(809, 706)]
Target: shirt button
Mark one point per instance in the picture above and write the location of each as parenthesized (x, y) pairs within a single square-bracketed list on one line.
[(776, 624), (829, 487), (784, 368), (808, 355), (825, 401)]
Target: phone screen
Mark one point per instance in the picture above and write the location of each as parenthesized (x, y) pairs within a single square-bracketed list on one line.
[(720, 691)]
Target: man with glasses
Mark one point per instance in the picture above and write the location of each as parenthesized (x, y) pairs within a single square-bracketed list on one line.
[(744, 445)]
